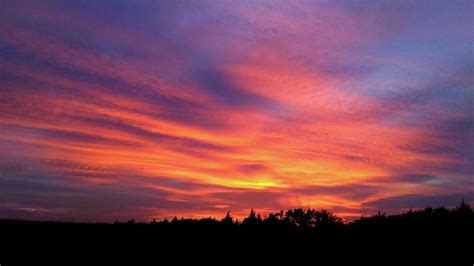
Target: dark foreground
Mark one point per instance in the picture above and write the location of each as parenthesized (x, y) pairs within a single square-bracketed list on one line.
[(432, 233)]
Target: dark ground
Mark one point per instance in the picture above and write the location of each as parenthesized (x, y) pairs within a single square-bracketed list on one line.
[(430, 234)]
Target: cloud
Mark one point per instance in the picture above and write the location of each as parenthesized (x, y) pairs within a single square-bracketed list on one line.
[(252, 168), (156, 109)]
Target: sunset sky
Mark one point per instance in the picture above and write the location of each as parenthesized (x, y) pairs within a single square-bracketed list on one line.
[(113, 110)]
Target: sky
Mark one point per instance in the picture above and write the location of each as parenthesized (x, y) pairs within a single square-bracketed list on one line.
[(116, 110)]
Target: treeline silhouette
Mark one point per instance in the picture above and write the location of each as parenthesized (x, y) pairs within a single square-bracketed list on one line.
[(434, 229)]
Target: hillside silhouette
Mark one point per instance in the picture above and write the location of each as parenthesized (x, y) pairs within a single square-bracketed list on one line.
[(434, 230)]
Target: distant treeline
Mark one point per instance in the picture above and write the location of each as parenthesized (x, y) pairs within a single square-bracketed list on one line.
[(435, 229), (298, 219)]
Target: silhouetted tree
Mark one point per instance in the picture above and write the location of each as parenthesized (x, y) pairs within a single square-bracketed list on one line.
[(227, 220), (252, 220)]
